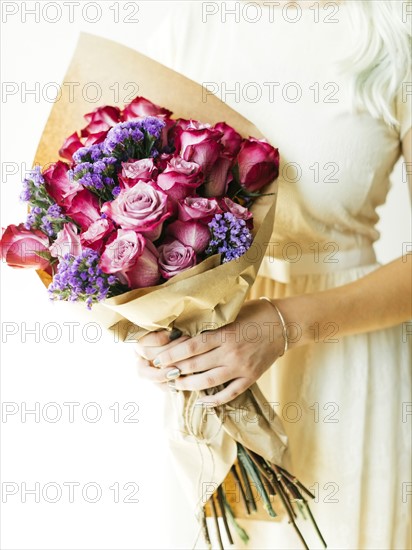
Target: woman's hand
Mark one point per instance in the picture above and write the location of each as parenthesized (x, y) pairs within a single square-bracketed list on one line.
[(236, 355)]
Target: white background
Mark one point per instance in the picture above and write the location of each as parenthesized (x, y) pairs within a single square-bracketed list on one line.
[(84, 366)]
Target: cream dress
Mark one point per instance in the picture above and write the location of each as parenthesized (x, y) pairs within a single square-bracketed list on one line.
[(344, 400)]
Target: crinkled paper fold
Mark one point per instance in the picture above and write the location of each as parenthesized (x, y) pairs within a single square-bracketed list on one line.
[(210, 295)]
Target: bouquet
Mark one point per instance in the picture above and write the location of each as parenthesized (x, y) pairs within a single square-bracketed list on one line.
[(150, 220)]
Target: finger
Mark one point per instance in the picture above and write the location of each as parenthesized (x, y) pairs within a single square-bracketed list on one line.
[(160, 337), (232, 390), (205, 380), (197, 345), (200, 363), (152, 374), (150, 352)]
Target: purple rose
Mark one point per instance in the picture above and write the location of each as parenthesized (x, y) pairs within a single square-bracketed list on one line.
[(133, 259), (196, 235), (58, 184), (132, 172), (180, 178), (258, 164), (141, 208), (174, 258), (67, 242), (237, 210), (219, 178), (198, 208), (97, 233), (231, 140), (201, 146)]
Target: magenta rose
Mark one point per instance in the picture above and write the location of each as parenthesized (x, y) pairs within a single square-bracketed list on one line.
[(231, 140), (133, 259), (101, 120), (258, 164), (95, 235), (20, 247), (141, 207), (70, 146), (141, 107), (58, 184), (219, 178), (198, 209), (196, 235), (201, 146), (180, 178), (174, 258), (84, 209), (239, 211), (92, 139), (67, 242), (132, 172)]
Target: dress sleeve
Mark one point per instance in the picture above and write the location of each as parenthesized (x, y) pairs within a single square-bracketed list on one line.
[(404, 107)]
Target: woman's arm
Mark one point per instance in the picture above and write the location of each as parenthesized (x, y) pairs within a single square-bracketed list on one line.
[(231, 355)]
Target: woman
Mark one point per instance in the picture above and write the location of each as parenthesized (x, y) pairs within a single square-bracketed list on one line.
[(340, 375)]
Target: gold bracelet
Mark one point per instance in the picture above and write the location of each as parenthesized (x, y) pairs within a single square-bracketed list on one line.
[(285, 335)]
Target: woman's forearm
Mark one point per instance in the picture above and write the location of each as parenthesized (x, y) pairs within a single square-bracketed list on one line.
[(381, 299)]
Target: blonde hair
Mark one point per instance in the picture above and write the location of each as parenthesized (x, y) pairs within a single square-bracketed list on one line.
[(381, 60)]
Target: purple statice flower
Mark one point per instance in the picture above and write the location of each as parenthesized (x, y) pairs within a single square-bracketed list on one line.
[(230, 237), (89, 154), (134, 139), (99, 177), (33, 186), (80, 279), (50, 219)]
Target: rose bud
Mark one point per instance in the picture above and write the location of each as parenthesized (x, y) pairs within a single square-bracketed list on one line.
[(201, 146), (20, 247), (193, 234), (67, 242), (237, 210), (174, 258), (180, 178), (70, 146), (58, 184), (258, 164), (101, 120), (142, 107), (132, 172), (96, 234), (84, 209), (141, 207), (231, 140), (129, 255), (198, 209), (219, 177)]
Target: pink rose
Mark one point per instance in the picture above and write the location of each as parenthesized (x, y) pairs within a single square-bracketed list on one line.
[(95, 235), (258, 164), (219, 178), (180, 178), (70, 146), (141, 208), (174, 258), (132, 172), (101, 120), (132, 258), (84, 209), (67, 242), (92, 139), (239, 211), (20, 247), (196, 235), (198, 208), (58, 184), (231, 140), (201, 146), (141, 107)]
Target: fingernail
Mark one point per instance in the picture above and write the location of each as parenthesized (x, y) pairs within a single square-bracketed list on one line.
[(156, 362), (172, 385), (175, 334), (172, 374)]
